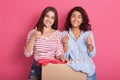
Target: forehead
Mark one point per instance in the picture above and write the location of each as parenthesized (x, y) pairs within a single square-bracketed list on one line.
[(51, 13), (76, 13)]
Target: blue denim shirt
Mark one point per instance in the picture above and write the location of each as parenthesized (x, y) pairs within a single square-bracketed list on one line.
[(78, 54)]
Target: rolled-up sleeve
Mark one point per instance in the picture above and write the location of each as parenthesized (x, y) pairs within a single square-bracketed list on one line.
[(93, 52), (59, 46), (28, 54)]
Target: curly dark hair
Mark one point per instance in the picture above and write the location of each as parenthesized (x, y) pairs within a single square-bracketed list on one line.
[(85, 26)]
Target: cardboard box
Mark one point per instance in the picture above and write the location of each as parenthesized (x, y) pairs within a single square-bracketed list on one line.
[(61, 72)]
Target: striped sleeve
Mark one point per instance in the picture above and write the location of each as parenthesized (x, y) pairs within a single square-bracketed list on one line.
[(28, 54), (59, 45)]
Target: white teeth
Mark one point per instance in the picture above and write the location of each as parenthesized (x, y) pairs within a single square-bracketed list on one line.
[(48, 22), (75, 23)]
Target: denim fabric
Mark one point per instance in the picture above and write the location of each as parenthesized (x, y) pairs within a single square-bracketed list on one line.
[(35, 71), (93, 77)]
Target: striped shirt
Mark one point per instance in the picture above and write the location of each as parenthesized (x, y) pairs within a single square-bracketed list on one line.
[(46, 47)]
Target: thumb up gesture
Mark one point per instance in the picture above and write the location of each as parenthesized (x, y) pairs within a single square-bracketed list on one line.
[(36, 33), (65, 39), (89, 39), (89, 42)]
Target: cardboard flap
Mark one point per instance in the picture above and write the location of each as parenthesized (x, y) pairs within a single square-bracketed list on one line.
[(61, 72)]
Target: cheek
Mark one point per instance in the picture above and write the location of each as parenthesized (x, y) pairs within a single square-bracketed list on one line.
[(71, 19), (44, 20), (80, 20), (53, 20)]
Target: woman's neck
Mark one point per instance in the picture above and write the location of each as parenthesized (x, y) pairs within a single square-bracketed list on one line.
[(76, 32), (47, 30)]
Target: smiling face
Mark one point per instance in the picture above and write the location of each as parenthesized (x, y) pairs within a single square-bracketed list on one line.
[(76, 19), (49, 19)]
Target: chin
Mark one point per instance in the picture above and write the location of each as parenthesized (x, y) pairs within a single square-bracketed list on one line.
[(47, 25), (76, 26)]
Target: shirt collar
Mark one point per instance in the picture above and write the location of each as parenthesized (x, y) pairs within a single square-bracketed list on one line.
[(71, 33)]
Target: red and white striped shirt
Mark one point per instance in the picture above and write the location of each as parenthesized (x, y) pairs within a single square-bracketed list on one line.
[(46, 47)]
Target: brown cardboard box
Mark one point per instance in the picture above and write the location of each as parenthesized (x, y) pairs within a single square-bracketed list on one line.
[(61, 72)]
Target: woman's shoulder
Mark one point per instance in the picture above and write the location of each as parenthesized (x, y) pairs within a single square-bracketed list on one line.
[(58, 32), (64, 33), (31, 32), (88, 32)]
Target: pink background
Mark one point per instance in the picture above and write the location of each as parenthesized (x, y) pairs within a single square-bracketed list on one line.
[(17, 17)]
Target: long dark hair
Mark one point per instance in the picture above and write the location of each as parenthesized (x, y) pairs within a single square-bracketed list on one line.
[(40, 23), (85, 26)]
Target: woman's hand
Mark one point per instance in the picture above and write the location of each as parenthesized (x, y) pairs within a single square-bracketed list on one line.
[(36, 34), (66, 38), (89, 43), (61, 58), (65, 42), (89, 39)]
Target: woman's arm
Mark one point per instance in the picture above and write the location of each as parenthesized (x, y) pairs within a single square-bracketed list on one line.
[(30, 44), (91, 45), (65, 42), (30, 41)]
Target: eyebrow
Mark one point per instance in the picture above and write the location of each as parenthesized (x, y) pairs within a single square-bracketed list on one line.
[(78, 15)]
